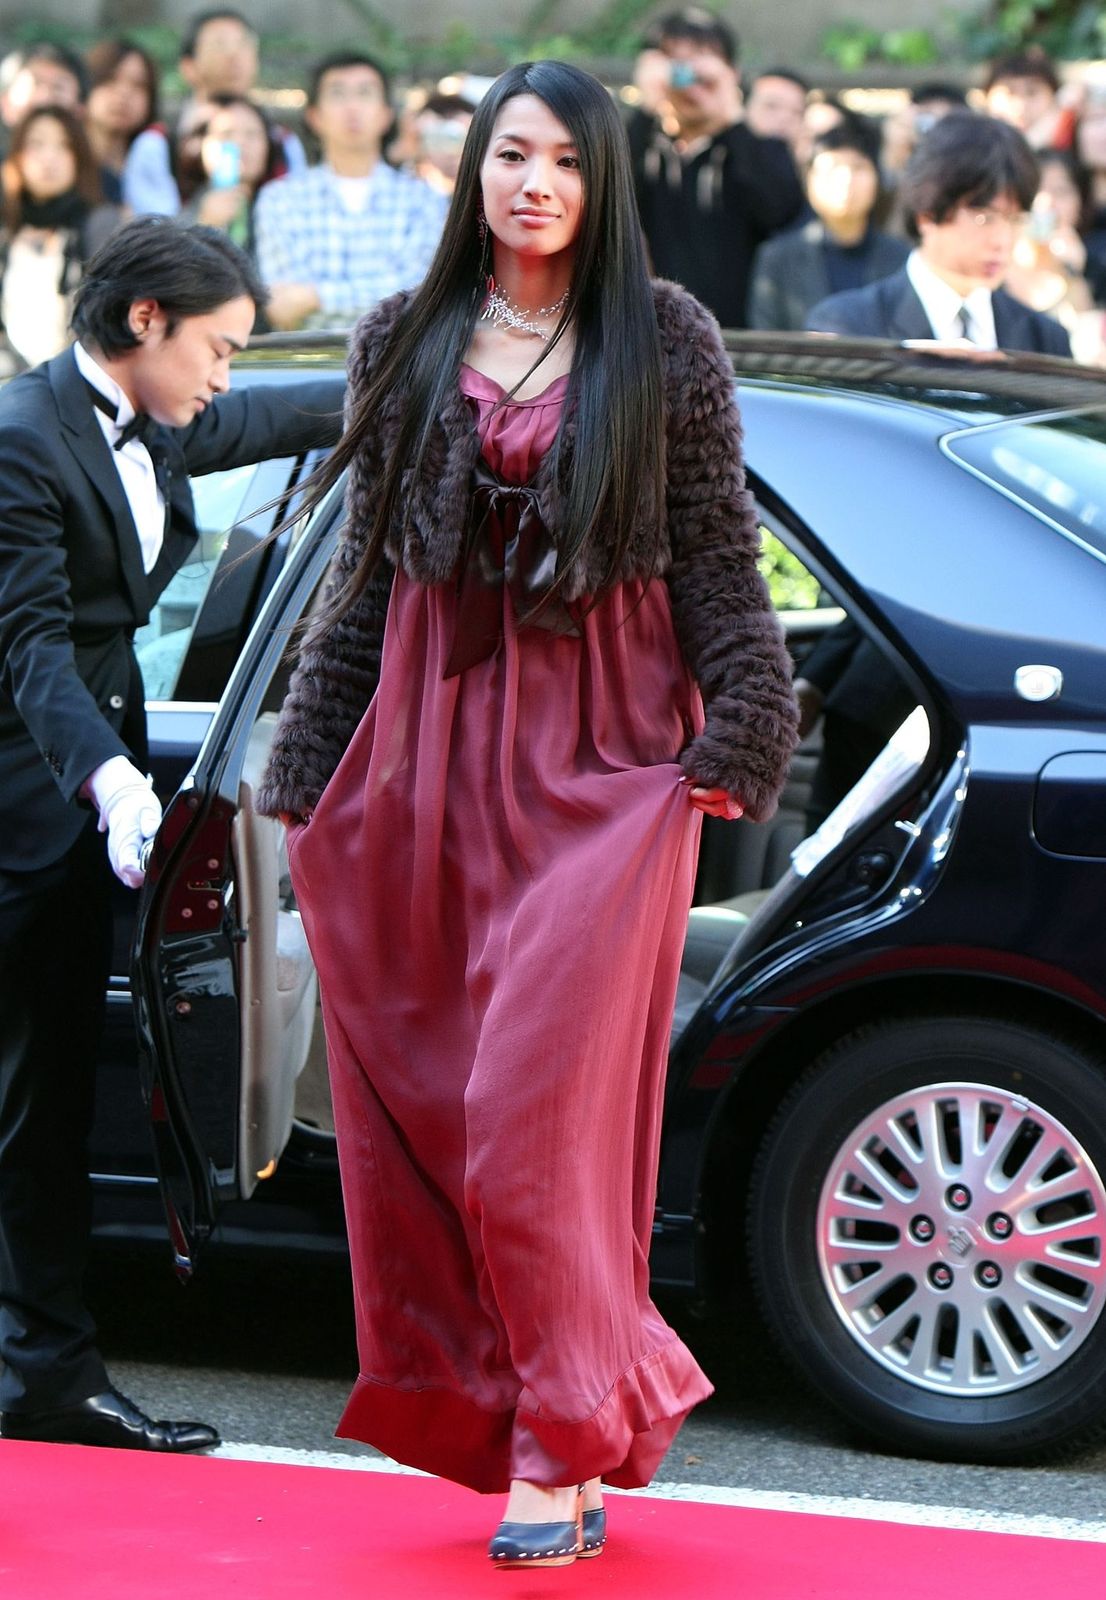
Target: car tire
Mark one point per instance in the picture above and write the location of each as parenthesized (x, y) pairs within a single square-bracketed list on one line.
[(963, 1385)]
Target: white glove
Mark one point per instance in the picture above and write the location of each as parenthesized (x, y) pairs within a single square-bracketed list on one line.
[(130, 813)]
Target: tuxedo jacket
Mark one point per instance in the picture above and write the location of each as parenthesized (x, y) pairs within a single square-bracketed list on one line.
[(891, 309), (73, 589), (790, 277)]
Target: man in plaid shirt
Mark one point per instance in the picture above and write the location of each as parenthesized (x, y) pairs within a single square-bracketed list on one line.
[(334, 240)]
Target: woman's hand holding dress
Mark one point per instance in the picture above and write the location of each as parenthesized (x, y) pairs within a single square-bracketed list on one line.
[(714, 802)]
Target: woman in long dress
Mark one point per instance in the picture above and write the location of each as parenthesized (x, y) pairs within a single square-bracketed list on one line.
[(493, 761)]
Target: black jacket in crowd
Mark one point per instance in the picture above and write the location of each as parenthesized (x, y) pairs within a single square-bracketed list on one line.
[(705, 215), (790, 278)]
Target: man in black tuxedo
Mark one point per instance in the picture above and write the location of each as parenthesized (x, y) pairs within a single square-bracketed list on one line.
[(95, 517), (965, 190)]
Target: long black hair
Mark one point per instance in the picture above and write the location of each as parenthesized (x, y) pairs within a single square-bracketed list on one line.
[(615, 391)]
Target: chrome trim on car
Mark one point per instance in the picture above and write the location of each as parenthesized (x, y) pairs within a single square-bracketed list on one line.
[(209, 707), (945, 443)]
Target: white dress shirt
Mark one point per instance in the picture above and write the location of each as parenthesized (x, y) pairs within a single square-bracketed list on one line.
[(133, 463), (942, 305)]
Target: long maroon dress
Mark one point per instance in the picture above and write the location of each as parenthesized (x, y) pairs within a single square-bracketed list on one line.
[(495, 884)]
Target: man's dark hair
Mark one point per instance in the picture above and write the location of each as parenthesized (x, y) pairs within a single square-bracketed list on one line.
[(1030, 63), (337, 63), (696, 26), (57, 55), (190, 38), (188, 271), (788, 74), (965, 160), (853, 132), (448, 105), (937, 89)]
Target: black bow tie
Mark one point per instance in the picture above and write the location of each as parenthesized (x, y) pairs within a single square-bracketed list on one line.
[(141, 426)]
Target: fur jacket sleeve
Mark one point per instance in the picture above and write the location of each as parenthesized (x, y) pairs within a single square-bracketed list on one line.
[(729, 633), (336, 675)]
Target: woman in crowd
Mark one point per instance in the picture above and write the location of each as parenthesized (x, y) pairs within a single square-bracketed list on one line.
[(840, 248), (122, 100), (54, 218), (1090, 147), (239, 152), (1049, 270), (493, 761)]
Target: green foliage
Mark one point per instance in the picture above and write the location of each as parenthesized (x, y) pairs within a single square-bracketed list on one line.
[(791, 586), (910, 47), (611, 33), (617, 27), (852, 45), (1067, 29)]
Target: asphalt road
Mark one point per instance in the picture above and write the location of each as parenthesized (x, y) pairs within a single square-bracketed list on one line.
[(265, 1351)]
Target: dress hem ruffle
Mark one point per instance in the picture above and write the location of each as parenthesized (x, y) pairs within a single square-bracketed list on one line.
[(622, 1441)]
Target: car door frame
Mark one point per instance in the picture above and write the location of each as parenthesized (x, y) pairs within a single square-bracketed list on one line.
[(189, 988)]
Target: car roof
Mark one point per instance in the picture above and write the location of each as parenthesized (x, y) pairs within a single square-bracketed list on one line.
[(954, 387)]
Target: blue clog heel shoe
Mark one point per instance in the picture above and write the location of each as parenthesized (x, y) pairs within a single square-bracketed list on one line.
[(539, 1544)]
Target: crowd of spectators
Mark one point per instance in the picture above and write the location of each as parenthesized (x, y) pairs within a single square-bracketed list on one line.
[(764, 197)]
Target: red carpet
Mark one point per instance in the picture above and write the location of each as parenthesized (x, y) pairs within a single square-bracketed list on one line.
[(112, 1525)]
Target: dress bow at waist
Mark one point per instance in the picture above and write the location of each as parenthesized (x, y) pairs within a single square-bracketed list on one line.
[(507, 546)]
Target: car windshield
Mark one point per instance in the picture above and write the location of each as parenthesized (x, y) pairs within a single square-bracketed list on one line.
[(1057, 465)]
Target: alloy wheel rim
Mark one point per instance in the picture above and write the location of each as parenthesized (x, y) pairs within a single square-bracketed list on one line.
[(961, 1236)]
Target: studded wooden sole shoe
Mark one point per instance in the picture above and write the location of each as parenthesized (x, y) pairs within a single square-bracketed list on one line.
[(539, 1544), (595, 1533)]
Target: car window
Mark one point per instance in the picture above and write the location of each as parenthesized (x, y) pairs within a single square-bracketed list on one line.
[(220, 498), (1056, 465)]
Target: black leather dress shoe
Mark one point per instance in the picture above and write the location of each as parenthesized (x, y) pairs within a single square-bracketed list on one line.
[(107, 1419)]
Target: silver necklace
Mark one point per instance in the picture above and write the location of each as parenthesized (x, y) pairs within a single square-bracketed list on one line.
[(503, 313)]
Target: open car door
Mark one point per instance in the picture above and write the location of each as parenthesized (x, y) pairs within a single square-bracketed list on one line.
[(223, 982)]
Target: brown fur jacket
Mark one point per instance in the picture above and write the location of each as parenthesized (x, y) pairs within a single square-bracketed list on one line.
[(724, 620)]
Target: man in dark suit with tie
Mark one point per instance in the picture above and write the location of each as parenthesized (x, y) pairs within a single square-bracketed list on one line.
[(95, 517), (965, 190)]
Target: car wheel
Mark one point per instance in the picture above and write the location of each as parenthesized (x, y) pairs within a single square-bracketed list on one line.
[(928, 1235)]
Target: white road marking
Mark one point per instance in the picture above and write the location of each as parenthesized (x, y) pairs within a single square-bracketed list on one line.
[(820, 1505)]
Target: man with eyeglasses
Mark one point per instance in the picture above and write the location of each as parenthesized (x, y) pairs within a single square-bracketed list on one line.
[(335, 239), (966, 191)]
